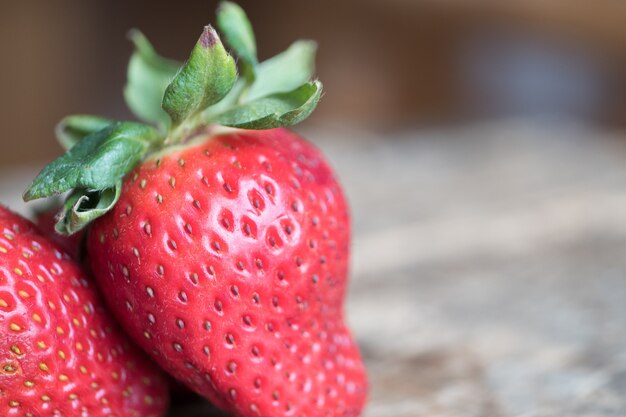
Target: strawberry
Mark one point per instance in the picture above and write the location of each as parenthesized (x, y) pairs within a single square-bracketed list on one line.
[(61, 354), (228, 261), (45, 219), (219, 238)]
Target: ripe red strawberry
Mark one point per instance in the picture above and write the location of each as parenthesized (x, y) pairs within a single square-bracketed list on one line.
[(45, 219), (223, 252), (228, 261), (60, 352)]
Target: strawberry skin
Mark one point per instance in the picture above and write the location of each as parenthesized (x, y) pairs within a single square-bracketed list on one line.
[(45, 223), (227, 260), (61, 354)]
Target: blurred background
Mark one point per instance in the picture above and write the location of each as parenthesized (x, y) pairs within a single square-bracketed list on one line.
[(481, 145), (387, 65)]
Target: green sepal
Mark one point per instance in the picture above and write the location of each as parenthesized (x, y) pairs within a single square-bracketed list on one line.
[(207, 76), (284, 71), (147, 78), (275, 110), (281, 73), (84, 206), (72, 129), (97, 162), (238, 34)]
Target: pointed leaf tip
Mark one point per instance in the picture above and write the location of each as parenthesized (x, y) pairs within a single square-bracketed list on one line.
[(209, 37), (275, 110), (285, 71), (207, 76)]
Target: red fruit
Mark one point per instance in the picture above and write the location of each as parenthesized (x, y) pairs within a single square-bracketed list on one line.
[(60, 352), (45, 222), (224, 256), (227, 260)]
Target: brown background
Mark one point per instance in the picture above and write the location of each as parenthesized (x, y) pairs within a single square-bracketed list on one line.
[(386, 65)]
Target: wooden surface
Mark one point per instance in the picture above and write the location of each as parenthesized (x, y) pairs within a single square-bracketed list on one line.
[(489, 273)]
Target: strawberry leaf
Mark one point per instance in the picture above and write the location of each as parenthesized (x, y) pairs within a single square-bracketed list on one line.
[(72, 129), (285, 71), (148, 76), (97, 162), (275, 110), (281, 73), (83, 206), (207, 76), (238, 34)]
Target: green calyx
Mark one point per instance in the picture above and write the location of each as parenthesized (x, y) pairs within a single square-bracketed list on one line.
[(174, 100)]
